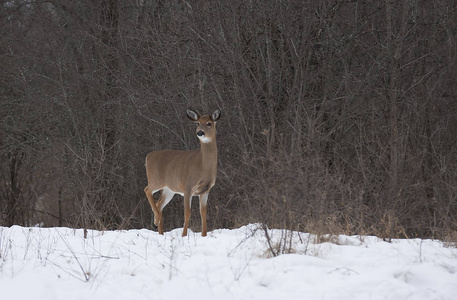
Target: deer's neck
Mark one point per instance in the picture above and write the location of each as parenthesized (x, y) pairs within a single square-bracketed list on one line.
[(208, 153)]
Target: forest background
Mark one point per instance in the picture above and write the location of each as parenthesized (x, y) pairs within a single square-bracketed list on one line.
[(337, 116)]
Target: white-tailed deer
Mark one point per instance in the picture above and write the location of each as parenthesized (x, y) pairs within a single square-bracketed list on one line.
[(188, 173)]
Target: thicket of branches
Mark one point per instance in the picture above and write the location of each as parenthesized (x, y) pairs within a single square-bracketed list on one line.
[(337, 116)]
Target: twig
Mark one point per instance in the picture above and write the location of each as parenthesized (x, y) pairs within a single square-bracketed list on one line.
[(265, 229), (86, 276)]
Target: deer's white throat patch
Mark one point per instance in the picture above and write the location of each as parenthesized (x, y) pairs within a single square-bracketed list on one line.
[(204, 139)]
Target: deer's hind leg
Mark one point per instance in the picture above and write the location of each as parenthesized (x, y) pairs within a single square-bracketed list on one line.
[(165, 197), (157, 212)]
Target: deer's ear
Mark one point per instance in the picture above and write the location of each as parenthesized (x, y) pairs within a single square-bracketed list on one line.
[(191, 114), (216, 115)]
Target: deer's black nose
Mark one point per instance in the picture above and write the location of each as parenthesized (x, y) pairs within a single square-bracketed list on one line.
[(200, 133)]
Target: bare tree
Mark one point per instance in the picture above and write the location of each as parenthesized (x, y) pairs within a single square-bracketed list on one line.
[(339, 114)]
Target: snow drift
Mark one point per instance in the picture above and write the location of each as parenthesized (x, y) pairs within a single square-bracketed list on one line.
[(58, 263)]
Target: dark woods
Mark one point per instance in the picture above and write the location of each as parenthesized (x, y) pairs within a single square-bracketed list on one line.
[(339, 116)]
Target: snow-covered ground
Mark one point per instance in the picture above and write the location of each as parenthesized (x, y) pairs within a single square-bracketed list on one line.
[(58, 263)]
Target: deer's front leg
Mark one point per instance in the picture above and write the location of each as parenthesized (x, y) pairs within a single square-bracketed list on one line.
[(203, 201), (187, 203)]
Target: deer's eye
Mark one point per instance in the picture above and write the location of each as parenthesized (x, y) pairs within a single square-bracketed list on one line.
[(198, 123), (208, 124)]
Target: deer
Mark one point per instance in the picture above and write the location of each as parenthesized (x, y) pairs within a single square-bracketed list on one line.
[(187, 173)]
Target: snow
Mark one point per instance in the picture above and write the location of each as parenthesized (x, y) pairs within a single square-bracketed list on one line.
[(58, 263)]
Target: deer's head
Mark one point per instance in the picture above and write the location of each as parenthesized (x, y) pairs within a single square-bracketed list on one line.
[(206, 125)]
